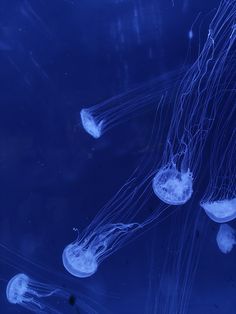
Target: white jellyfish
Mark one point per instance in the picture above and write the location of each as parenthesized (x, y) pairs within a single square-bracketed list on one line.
[(219, 199), (38, 297), (172, 186), (82, 257), (221, 211), (98, 119), (200, 100), (226, 238), (91, 126), (30, 294)]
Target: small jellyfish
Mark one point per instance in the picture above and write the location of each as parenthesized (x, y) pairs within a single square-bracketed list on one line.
[(99, 118), (172, 186), (30, 294), (226, 238), (17, 288), (219, 201), (91, 126), (82, 257), (198, 106), (36, 296), (220, 211), (190, 34)]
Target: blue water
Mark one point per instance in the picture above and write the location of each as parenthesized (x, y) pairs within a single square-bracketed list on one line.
[(57, 57)]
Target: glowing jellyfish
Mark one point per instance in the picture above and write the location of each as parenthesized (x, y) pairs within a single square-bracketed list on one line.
[(82, 257), (172, 186), (98, 119), (91, 126), (17, 288), (37, 297), (221, 211), (200, 100), (190, 34), (219, 199), (226, 238), (30, 294)]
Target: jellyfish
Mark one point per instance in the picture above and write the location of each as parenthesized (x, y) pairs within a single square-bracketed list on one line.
[(190, 34), (38, 297), (226, 238), (99, 118), (30, 294), (197, 108), (219, 198), (89, 123), (82, 257), (221, 210)]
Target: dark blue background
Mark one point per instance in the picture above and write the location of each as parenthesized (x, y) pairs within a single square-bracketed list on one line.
[(55, 58)]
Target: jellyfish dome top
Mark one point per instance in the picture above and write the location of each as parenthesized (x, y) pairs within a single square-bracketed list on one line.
[(78, 261), (220, 211), (172, 186), (225, 238), (17, 288), (90, 125)]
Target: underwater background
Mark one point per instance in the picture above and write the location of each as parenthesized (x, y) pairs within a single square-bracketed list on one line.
[(57, 57)]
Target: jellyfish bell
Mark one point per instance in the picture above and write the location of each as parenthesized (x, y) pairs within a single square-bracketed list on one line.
[(226, 238), (220, 211), (78, 261), (172, 186), (90, 125), (17, 288)]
